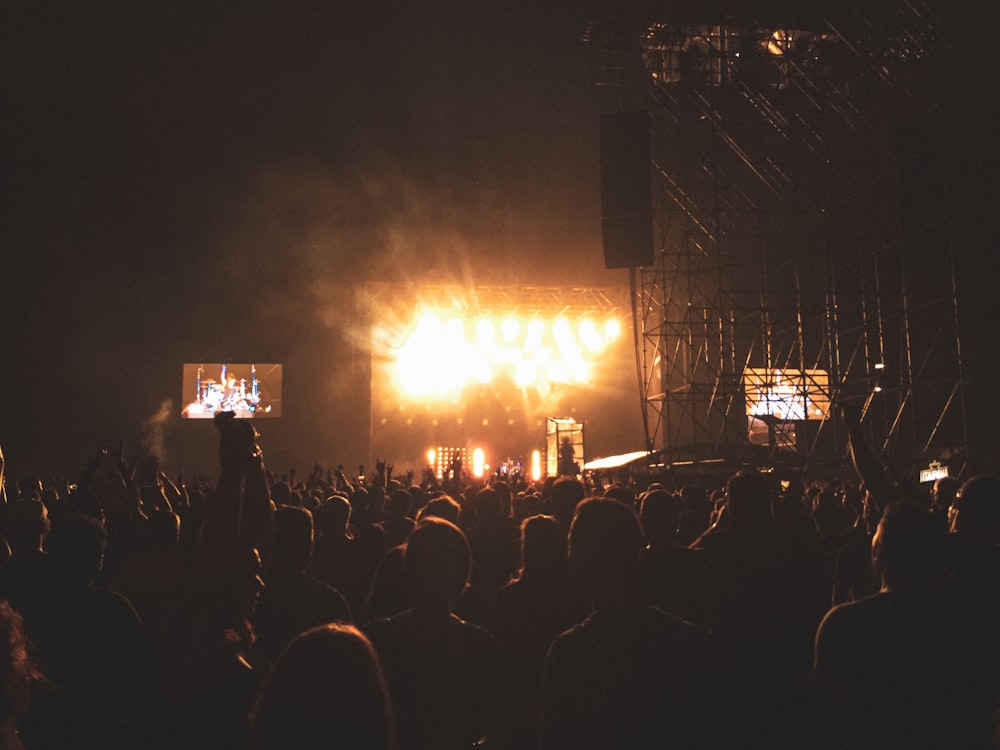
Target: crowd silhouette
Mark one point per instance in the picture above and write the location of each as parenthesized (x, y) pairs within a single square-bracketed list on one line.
[(259, 611)]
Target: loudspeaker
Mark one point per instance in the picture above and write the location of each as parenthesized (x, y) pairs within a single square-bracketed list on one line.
[(626, 190)]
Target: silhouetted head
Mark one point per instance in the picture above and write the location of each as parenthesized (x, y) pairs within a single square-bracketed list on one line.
[(281, 492), (163, 528), (976, 509), (26, 522), (566, 495), (436, 562), (418, 498), (487, 504), (333, 517), (442, 506), (658, 514), (29, 488), (907, 545), (543, 546), (76, 547), (221, 589), (944, 491), (605, 541), (326, 690), (828, 513), (748, 498), (293, 539), (503, 491), (693, 496), (621, 494), (397, 505)]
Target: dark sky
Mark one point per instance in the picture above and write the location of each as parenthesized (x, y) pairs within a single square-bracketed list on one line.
[(191, 181), (203, 181)]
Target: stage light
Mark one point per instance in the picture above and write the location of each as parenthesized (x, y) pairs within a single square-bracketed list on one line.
[(525, 373), (478, 463), (562, 333), (591, 339), (509, 329), (486, 335), (536, 329), (879, 366), (431, 456), (455, 332), (536, 465), (533, 352)]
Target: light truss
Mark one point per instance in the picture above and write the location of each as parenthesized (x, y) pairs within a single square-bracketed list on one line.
[(779, 183)]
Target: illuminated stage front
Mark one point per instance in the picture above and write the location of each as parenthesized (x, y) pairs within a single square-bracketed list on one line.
[(485, 367)]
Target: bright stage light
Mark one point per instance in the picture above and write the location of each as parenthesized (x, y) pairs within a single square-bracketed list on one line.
[(444, 353), (454, 332), (536, 465), (478, 463), (485, 334), (589, 337), (536, 329), (509, 330)]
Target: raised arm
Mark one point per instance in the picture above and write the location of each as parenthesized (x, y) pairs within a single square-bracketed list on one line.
[(240, 514), (870, 469)]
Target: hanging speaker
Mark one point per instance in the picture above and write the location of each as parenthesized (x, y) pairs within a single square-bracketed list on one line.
[(626, 190)]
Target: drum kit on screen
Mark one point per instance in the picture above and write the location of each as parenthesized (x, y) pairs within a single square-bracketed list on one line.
[(229, 393)]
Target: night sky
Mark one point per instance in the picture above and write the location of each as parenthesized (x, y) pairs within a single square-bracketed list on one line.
[(217, 181)]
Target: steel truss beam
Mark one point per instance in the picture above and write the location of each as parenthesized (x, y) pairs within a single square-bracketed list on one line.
[(787, 236)]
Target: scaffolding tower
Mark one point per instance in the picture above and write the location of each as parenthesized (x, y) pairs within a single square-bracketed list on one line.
[(800, 218)]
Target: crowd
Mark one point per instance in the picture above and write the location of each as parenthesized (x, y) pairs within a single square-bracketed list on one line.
[(261, 611)]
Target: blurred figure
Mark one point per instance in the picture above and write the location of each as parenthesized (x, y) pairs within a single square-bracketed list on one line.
[(389, 595), (566, 495), (397, 522), (26, 575), (92, 647), (915, 665), (495, 546), (292, 600), (332, 549), (17, 674), (764, 595), (974, 543), (942, 496), (527, 615), (630, 675), (326, 690), (440, 669), (672, 575)]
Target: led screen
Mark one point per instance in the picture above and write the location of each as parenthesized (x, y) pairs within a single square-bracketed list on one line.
[(247, 390), (787, 394)]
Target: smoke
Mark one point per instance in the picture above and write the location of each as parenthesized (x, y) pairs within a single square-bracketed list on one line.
[(151, 432)]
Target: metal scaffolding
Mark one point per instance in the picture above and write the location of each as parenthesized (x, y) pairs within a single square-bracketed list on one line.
[(793, 250)]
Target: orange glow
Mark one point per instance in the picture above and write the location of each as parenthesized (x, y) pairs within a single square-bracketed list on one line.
[(478, 463), (536, 465), (431, 456), (444, 353)]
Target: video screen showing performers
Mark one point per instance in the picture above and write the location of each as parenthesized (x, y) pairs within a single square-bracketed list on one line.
[(787, 394), (247, 390)]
